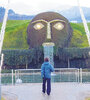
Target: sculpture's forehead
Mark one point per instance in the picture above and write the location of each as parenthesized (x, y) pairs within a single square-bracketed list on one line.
[(48, 16)]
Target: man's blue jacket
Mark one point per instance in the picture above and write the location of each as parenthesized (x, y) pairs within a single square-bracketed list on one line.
[(46, 70)]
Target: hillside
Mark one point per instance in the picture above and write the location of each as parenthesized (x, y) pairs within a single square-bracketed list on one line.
[(16, 35)]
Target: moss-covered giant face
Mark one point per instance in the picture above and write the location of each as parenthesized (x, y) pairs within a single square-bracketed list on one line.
[(49, 27)]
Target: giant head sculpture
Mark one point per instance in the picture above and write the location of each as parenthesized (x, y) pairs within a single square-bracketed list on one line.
[(49, 27)]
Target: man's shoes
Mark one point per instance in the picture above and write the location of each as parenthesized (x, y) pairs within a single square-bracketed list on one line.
[(43, 92), (48, 94)]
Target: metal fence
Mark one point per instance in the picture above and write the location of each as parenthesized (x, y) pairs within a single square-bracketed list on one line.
[(85, 75), (34, 76), (8, 77)]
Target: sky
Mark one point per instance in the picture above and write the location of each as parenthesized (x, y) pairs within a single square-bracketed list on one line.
[(32, 7)]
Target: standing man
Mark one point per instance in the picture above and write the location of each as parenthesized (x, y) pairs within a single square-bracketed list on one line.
[(46, 70)]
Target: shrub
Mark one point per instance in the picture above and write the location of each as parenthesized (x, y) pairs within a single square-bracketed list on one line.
[(17, 58)]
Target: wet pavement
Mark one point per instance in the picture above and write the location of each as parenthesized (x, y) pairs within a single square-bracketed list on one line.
[(60, 91)]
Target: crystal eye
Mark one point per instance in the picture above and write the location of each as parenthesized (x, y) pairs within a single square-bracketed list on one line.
[(58, 26), (38, 26)]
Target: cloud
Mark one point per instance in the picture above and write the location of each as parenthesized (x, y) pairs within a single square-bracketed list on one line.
[(29, 9), (36, 6)]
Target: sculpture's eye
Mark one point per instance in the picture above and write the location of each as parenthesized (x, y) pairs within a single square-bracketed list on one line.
[(38, 26), (58, 26)]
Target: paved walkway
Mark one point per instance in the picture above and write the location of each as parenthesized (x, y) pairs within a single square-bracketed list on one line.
[(60, 91), (9, 96)]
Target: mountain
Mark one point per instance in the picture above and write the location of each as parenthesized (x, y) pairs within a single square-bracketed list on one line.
[(72, 14), (14, 16)]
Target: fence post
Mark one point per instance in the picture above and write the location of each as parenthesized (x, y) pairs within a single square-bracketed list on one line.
[(15, 76), (12, 76), (80, 75)]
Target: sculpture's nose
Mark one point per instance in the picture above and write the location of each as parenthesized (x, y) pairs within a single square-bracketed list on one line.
[(48, 31)]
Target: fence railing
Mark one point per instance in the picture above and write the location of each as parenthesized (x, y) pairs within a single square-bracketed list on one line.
[(34, 76)]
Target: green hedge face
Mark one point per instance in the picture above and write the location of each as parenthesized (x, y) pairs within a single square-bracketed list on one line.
[(60, 36)]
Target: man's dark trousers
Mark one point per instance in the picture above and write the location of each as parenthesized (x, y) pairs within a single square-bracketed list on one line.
[(48, 80)]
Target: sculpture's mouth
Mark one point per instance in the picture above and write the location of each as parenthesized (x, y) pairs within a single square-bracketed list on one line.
[(47, 44)]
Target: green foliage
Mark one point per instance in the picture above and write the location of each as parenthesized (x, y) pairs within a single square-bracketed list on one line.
[(34, 57), (71, 53), (78, 57), (15, 58), (89, 26), (78, 26), (78, 39), (16, 39), (16, 35)]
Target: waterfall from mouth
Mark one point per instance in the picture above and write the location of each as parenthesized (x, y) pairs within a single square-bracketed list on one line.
[(48, 51)]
